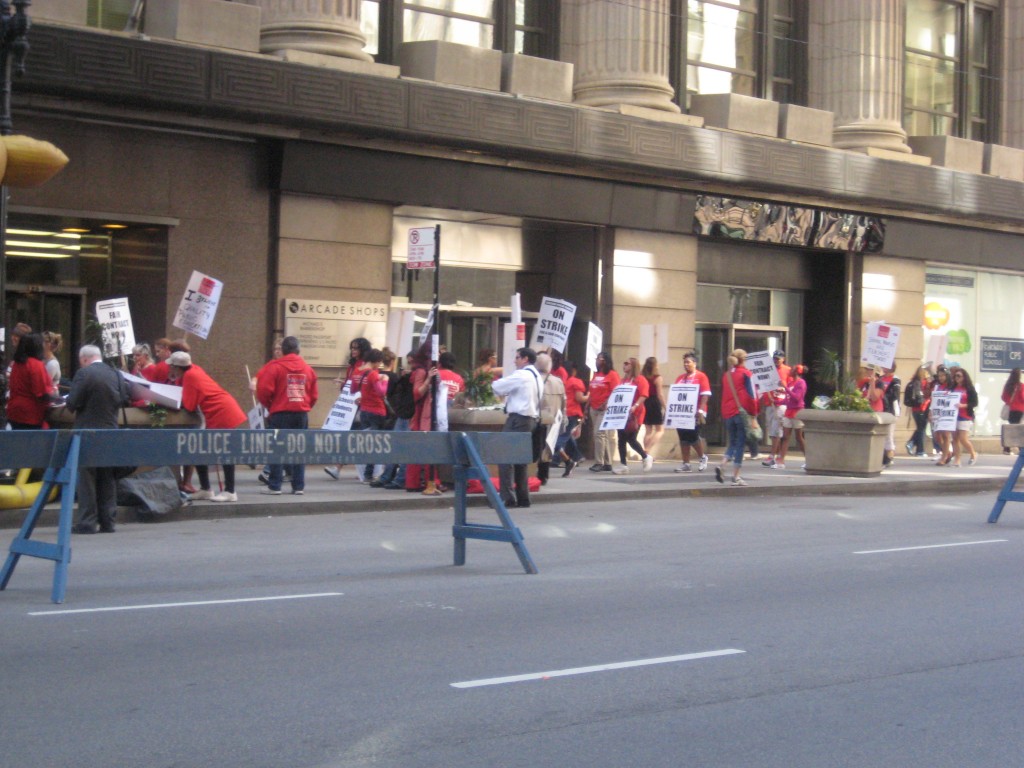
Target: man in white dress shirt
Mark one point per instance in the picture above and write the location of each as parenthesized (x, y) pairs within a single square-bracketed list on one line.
[(522, 393)]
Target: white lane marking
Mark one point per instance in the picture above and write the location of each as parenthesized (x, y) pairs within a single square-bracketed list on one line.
[(596, 668), (184, 605), (929, 546)]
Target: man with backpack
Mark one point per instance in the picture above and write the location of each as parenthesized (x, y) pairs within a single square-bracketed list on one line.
[(401, 404)]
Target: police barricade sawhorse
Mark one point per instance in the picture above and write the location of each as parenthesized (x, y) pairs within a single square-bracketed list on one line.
[(1012, 437), (63, 452)]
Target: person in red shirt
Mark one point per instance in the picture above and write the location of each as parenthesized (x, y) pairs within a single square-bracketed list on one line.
[(1013, 396), (738, 402), (628, 436), (965, 416), (31, 387), (575, 399), (692, 437), (604, 380), (447, 373), (199, 392), (372, 387), (287, 388)]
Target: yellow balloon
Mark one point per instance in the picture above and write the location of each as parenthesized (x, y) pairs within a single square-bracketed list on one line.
[(30, 162)]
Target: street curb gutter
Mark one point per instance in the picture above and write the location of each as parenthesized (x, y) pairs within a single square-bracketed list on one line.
[(630, 492)]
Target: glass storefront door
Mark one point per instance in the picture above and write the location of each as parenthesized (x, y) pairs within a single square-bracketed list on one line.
[(49, 308), (714, 342)]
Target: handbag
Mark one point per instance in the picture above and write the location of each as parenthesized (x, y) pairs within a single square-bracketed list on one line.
[(1004, 414), (750, 423)]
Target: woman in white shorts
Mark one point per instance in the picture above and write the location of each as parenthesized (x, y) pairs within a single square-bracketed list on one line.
[(796, 392)]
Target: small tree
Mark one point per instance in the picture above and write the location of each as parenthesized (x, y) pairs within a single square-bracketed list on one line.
[(846, 396)]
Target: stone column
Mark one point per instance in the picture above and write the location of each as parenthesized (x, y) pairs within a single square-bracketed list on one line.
[(1012, 94), (330, 27), (620, 52), (856, 71)]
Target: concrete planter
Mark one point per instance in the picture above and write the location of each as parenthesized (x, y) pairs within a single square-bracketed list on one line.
[(843, 442)]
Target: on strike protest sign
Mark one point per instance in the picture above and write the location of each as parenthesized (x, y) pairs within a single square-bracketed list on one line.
[(681, 412), (198, 305), (616, 413), (554, 324), (945, 406)]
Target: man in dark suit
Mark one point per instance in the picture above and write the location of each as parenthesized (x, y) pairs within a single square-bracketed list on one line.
[(97, 394)]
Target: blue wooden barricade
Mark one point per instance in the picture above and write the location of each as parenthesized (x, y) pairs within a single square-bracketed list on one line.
[(63, 452), (1012, 437)]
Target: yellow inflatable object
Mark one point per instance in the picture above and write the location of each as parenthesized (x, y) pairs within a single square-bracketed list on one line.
[(30, 162), (22, 494)]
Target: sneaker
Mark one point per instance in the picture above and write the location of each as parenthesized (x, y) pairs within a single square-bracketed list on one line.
[(971, 462), (718, 474), (606, 467), (621, 469), (703, 463), (377, 483), (225, 496), (910, 448), (684, 467), (738, 481), (264, 476), (803, 466), (569, 467), (333, 472), (597, 467), (270, 492), (201, 495), (769, 462), (298, 493), (648, 463), (778, 465)]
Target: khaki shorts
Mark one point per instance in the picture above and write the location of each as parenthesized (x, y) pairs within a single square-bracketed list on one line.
[(793, 423)]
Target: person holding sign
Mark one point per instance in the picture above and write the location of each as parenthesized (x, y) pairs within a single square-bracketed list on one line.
[(796, 391), (654, 415), (637, 411), (691, 437), (287, 388), (738, 403), (603, 383), (199, 392), (1013, 397), (963, 386), (552, 411), (522, 393), (941, 386)]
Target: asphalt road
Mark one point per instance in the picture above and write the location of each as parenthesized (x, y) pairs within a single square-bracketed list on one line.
[(747, 632)]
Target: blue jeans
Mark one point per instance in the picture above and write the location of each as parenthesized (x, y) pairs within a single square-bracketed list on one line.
[(288, 420), (736, 430), (371, 421), (567, 442), (395, 473)]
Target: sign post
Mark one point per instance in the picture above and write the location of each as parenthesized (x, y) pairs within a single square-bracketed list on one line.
[(425, 253)]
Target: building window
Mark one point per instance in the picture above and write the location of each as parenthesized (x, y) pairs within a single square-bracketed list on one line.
[(511, 26), (109, 14), (949, 82), (750, 47)]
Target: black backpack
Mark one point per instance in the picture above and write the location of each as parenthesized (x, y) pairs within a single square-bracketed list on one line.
[(401, 397), (892, 395), (914, 396)]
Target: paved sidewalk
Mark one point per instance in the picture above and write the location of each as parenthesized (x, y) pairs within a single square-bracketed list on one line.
[(324, 495)]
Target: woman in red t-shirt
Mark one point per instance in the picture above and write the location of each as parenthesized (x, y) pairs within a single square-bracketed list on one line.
[(628, 436), (372, 387), (199, 392), (575, 399), (604, 380), (31, 387), (737, 397)]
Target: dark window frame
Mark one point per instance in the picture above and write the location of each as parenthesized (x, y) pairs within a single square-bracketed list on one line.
[(392, 17), (766, 84), (963, 123)]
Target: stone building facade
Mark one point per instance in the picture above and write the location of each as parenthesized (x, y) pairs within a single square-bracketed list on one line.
[(587, 151)]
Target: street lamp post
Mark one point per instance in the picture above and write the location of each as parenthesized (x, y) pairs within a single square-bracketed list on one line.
[(14, 28)]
